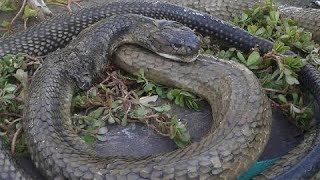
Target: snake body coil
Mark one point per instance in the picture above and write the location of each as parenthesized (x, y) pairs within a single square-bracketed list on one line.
[(57, 32), (221, 154)]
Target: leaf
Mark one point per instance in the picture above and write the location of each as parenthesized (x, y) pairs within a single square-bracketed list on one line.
[(274, 15), (253, 59), (96, 114), (163, 108), (282, 98), (159, 91), (7, 5), (177, 100), (29, 12), (244, 17), (170, 95), (295, 109), (9, 88), (148, 99), (141, 72), (252, 29), (285, 37), (5, 24), (181, 101), (124, 120), (187, 94), (241, 57), (260, 31), (8, 96), (111, 120), (148, 87), (291, 80), (22, 76), (295, 98), (102, 130), (141, 111), (102, 138), (18, 125), (88, 139)]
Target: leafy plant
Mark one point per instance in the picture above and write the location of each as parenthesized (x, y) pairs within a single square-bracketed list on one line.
[(180, 97), (112, 101), (278, 72)]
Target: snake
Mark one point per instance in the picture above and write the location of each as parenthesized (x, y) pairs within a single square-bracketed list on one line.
[(57, 32)]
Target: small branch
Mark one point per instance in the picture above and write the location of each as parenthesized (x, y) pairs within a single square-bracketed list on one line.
[(275, 90), (159, 132), (13, 122), (19, 12), (14, 140), (10, 114)]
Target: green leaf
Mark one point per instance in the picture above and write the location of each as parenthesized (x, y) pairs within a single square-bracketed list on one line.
[(291, 80), (282, 98), (170, 96), (141, 111), (22, 76), (147, 100), (159, 91), (285, 37), (111, 120), (253, 59), (8, 97), (244, 17), (274, 15), (96, 114), (7, 5), (252, 29), (102, 138), (260, 31), (9, 88), (29, 12), (241, 57), (148, 87), (5, 24), (88, 139), (102, 130), (163, 108)]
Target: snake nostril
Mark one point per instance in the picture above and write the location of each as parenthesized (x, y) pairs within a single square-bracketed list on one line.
[(177, 45), (193, 47)]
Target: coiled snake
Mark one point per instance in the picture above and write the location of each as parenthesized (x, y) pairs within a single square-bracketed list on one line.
[(57, 32)]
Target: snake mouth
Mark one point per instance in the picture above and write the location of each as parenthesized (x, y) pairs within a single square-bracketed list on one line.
[(180, 58)]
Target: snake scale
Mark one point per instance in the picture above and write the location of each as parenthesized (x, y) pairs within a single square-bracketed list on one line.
[(46, 40)]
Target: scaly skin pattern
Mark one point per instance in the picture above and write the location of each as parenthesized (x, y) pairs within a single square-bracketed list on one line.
[(57, 32), (237, 137), (228, 9), (283, 169), (8, 168), (48, 36)]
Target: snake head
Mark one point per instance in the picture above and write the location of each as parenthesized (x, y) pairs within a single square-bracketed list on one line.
[(172, 40)]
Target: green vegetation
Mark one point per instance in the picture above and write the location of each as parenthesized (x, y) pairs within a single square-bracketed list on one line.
[(13, 81), (276, 72), (123, 99)]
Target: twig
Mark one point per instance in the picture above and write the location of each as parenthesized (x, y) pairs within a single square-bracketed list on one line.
[(10, 114), (32, 58), (13, 122), (14, 140), (275, 90), (157, 130), (19, 12)]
